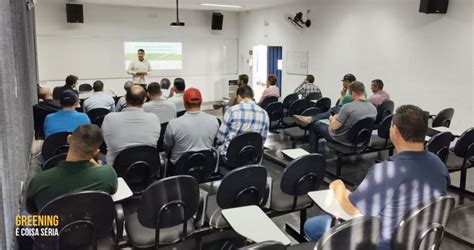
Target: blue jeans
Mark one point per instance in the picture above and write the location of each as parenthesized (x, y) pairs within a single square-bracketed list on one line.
[(318, 130), (315, 227)]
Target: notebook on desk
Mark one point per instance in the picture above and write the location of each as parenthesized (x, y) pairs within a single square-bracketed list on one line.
[(294, 152), (325, 121)]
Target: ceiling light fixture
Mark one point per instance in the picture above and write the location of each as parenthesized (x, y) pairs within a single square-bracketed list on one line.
[(177, 23), (222, 5)]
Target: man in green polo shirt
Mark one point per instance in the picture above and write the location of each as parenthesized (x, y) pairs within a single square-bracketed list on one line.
[(345, 97), (78, 173)]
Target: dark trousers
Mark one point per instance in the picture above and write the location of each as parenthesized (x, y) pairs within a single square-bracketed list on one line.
[(318, 130)]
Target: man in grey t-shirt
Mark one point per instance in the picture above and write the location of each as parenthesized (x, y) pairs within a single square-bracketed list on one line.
[(164, 109), (340, 124), (131, 127), (194, 131)]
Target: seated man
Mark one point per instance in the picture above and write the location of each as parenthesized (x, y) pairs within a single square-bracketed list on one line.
[(122, 103), (164, 109), (165, 88), (245, 117), (308, 87), (344, 98), (340, 124), (394, 187), (272, 89), (131, 127), (99, 99), (67, 119), (243, 80), (46, 105), (176, 94), (379, 95), (78, 173), (181, 135), (71, 82)]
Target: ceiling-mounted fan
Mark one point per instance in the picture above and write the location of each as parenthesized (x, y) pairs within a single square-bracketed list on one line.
[(177, 23)]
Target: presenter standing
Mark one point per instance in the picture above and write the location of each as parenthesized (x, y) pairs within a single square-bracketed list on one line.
[(139, 68)]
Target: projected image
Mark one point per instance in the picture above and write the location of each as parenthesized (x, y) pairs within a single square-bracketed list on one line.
[(161, 55)]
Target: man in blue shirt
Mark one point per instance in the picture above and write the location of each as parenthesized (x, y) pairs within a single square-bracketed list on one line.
[(394, 187), (67, 119)]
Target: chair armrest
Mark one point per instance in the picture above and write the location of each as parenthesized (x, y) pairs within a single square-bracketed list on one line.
[(119, 222)]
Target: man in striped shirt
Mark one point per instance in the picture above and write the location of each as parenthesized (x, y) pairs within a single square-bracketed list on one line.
[(245, 117), (308, 87)]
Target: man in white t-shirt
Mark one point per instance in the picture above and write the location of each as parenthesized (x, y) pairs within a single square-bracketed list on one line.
[(139, 68)]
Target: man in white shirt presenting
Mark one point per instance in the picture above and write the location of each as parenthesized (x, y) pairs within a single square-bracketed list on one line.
[(139, 68)]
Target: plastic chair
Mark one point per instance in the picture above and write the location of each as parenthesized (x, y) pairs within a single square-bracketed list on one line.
[(275, 114), (443, 118), (245, 149), (439, 145), (85, 87), (54, 144), (461, 156), (97, 115), (54, 161), (199, 164), (268, 100)]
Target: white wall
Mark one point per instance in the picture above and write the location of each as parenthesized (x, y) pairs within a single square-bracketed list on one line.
[(92, 50), (423, 59)]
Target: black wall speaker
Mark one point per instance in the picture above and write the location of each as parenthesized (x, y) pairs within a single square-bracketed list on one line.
[(74, 13), (217, 20), (434, 6)]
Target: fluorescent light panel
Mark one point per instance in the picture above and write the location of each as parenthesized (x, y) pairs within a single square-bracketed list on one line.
[(222, 5)]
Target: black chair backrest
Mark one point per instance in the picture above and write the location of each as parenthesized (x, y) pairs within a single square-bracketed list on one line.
[(180, 113), (383, 110), (85, 87), (84, 217), (309, 112), (169, 202), (439, 145), (443, 118), (302, 175), (268, 100), (423, 227), (245, 149), (361, 132), (54, 144), (138, 166), (97, 115), (464, 147), (39, 114), (383, 130), (313, 96), (200, 164), (162, 136), (323, 104), (54, 161), (242, 186), (266, 245), (359, 233), (298, 106), (289, 99), (274, 111)]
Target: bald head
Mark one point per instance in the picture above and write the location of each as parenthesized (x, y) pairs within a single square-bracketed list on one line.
[(44, 93), (136, 96)]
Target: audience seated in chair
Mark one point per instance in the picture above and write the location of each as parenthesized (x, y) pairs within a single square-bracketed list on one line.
[(79, 172), (243, 80), (45, 106), (176, 94), (307, 87), (71, 82), (131, 127), (99, 99), (272, 89), (379, 95), (165, 84), (67, 119), (245, 117), (164, 109), (194, 131), (122, 103), (340, 124), (394, 187), (344, 98)]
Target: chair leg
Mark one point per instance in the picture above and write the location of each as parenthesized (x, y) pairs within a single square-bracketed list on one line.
[(390, 152), (298, 235), (462, 182)]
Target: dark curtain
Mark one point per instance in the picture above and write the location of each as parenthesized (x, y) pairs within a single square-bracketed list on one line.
[(274, 54)]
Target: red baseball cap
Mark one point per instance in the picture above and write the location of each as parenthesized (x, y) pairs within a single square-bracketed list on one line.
[(193, 96)]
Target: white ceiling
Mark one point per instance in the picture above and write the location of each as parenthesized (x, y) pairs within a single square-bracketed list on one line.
[(195, 4)]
